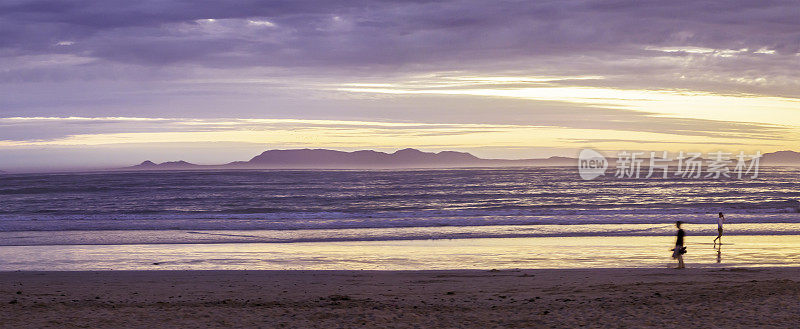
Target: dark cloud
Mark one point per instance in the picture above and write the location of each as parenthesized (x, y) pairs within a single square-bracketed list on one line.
[(360, 33)]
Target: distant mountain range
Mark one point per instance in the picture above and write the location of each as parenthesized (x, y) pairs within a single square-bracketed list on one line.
[(330, 159), (405, 158), (781, 158)]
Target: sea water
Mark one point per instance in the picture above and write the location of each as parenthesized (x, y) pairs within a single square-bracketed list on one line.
[(443, 208)]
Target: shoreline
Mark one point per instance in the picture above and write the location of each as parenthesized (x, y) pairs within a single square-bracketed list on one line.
[(632, 274), (482, 253), (644, 297), (314, 235)]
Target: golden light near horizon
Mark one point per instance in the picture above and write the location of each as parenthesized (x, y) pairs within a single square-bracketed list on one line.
[(363, 134), (783, 111)]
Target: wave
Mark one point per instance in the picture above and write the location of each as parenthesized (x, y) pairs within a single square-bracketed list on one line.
[(281, 200), (146, 237), (456, 209), (316, 221)]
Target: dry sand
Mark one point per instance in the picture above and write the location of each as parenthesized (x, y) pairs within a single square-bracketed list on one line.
[(618, 298)]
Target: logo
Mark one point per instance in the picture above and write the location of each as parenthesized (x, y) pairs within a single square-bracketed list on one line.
[(591, 164), (687, 165)]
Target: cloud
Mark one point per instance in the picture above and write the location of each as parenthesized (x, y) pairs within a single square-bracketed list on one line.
[(671, 103), (54, 131), (620, 39), (358, 33), (47, 143), (648, 69)]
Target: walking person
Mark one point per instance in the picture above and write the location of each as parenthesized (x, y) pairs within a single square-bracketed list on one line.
[(720, 220), (679, 250)]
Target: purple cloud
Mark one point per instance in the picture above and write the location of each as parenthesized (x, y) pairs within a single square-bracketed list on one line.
[(363, 33)]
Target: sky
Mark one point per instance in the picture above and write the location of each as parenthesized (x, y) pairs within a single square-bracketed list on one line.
[(91, 84)]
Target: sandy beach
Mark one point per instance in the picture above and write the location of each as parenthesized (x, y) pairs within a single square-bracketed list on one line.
[(617, 298)]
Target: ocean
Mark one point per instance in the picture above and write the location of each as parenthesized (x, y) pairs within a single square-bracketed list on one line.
[(440, 200), (232, 209)]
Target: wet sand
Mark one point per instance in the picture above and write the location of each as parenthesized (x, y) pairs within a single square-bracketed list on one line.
[(443, 254), (616, 298)]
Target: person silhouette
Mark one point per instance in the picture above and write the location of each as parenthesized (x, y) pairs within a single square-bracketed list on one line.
[(679, 250), (720, 220)]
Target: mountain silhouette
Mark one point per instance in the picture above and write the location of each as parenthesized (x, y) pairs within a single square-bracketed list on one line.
[(150, 165), (405, 158), (331, 159), (781, 157), (401, 158)]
